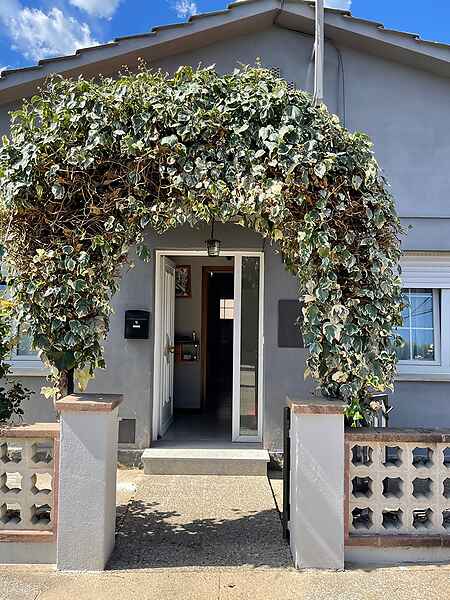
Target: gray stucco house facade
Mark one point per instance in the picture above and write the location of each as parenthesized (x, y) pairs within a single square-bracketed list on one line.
[(392, 85)]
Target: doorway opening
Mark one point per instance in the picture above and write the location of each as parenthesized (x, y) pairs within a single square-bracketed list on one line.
[(217, 333), (208, 348)]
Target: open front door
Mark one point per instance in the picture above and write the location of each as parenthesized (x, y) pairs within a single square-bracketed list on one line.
[(167, 344)]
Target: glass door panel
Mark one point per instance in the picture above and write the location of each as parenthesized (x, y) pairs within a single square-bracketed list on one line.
[(248, 350), (249, 368)]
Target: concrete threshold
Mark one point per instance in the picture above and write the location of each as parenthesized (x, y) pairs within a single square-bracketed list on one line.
[(205, 461)]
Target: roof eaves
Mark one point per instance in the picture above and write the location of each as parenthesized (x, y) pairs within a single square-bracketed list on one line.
[(344, 14), (6, 72), (93, 48), (45, 61), (406, 34), (135, 36), (362, 21), (171, 26), (213, 13), (384, 30), (434, 43)]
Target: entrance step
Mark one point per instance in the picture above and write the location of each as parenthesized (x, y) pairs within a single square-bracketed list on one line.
[(205, 461)]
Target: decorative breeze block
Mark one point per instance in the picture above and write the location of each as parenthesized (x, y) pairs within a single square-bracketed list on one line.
[(26, 484), (398, 488)]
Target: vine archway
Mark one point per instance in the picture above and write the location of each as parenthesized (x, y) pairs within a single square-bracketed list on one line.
[(90, 164)]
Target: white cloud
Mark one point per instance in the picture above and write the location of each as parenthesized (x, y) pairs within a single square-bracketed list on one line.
[(37, 34), (342, 4), (97, 8), (185, 8), (9, 9)]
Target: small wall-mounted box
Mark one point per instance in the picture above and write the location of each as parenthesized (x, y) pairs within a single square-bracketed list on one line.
[(137, 324)]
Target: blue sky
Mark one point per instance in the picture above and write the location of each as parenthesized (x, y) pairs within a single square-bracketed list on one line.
[(34, 29)]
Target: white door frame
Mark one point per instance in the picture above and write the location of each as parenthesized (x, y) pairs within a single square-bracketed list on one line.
[(167, 325), (237, 254)]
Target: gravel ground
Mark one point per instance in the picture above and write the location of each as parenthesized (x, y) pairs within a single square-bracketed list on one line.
[(188, 521)]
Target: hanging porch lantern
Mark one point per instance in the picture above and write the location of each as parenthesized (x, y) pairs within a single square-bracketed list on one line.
[(213, 245)]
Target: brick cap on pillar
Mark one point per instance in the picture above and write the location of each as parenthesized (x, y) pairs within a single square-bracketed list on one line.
[(89, 402), (316, 405)]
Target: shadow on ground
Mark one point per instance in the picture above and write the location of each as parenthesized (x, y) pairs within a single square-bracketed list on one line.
[(149, 537)]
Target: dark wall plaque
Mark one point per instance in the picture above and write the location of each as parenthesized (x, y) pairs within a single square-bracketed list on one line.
[(289, 333), (127, 431)]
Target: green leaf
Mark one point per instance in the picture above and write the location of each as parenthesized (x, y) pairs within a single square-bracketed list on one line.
[(58, 191), (329, 331), (320, 169), (169, 140), (356, 182)]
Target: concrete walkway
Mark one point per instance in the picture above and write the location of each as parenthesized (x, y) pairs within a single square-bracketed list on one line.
[(192, 521), (209, 539), (399, 583)]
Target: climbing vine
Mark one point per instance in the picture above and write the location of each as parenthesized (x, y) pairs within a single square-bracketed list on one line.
[(90, 164)]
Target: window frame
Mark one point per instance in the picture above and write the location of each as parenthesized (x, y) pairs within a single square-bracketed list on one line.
[(23, 365), (26, 364), (436, 332), (431, 271)]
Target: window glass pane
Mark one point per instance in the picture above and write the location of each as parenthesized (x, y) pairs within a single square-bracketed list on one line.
[(422, 345), (421, 310), (418, 326), (227, 308), (248, 423), (405, 312), (405, 352), (24, 347)]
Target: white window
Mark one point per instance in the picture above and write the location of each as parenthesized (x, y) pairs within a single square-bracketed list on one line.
[(227, 308), (24, 359), (24, 350), (426, 318), (420, 330)]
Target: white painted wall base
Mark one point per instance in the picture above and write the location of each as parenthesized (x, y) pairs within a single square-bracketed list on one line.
[(87, 489), (21, 553), (394, 556), (317, 485)]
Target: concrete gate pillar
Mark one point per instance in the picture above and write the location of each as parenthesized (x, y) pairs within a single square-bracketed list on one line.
[(87, 485), (316, 523)]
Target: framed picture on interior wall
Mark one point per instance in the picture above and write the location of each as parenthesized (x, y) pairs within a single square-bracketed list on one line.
[(183, 281)]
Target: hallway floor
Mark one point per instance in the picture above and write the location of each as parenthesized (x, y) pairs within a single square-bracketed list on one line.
[(198, 427), (202, 430)]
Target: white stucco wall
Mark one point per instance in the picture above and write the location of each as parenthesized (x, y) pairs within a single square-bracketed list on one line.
[(87, 490), (317, 491)]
